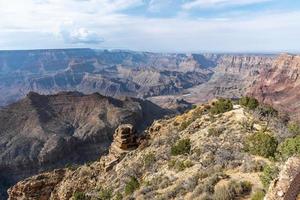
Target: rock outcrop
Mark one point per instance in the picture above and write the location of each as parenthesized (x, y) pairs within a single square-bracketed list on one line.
[(40, 187), (125, 140), (46, 132), (287, 185), (125, 137)]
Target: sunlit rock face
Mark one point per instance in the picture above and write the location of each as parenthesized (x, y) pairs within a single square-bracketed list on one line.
[(279, 85)]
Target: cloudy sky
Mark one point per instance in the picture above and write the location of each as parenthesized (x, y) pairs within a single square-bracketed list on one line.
[(152, 25)]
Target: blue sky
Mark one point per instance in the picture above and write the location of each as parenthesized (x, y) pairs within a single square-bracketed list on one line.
[(152, 25)]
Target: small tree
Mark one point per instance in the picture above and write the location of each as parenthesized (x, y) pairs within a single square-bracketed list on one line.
[(270, 172), (221, 106), (289, 147), (249, 102), (261, 144)]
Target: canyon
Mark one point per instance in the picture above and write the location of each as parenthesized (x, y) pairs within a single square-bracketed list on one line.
[(60, 108), (43, 132), (128, 73)]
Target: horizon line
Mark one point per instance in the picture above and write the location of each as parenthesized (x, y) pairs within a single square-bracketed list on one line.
[(161, 52)]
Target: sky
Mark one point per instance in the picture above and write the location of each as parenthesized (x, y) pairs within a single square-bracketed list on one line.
[(152, 25)]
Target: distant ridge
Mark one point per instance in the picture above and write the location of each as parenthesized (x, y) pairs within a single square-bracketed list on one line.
[(42, 132)]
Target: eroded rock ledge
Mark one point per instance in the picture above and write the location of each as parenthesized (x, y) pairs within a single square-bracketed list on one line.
[(287, 185)]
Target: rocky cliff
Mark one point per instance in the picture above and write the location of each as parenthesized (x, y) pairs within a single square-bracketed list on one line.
[(45, 132), (233, 75), (279, 85)]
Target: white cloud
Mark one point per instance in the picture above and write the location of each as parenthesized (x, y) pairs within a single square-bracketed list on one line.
[(266, 32), (218, 3), (102, 24), (81, 36)]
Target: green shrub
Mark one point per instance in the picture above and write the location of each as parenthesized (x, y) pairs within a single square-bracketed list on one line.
[(185, 124), (223, 193), (105, 194), (294, 128), (209, 185), (181, 147), (258, 195), (118, 196), (246, 187), (251, 165), (249, 102), (232, 190), (179, 165), (261, 144), (267, 111), (80, 196), (216, 132), (247, 125), (221, 106), (131, 186), (148, 159), (289, 147), (269, 173)]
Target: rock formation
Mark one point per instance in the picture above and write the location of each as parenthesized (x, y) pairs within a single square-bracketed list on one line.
[(125, 137), (125, 140), (287, 185), (46, 132), (40, 188)]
